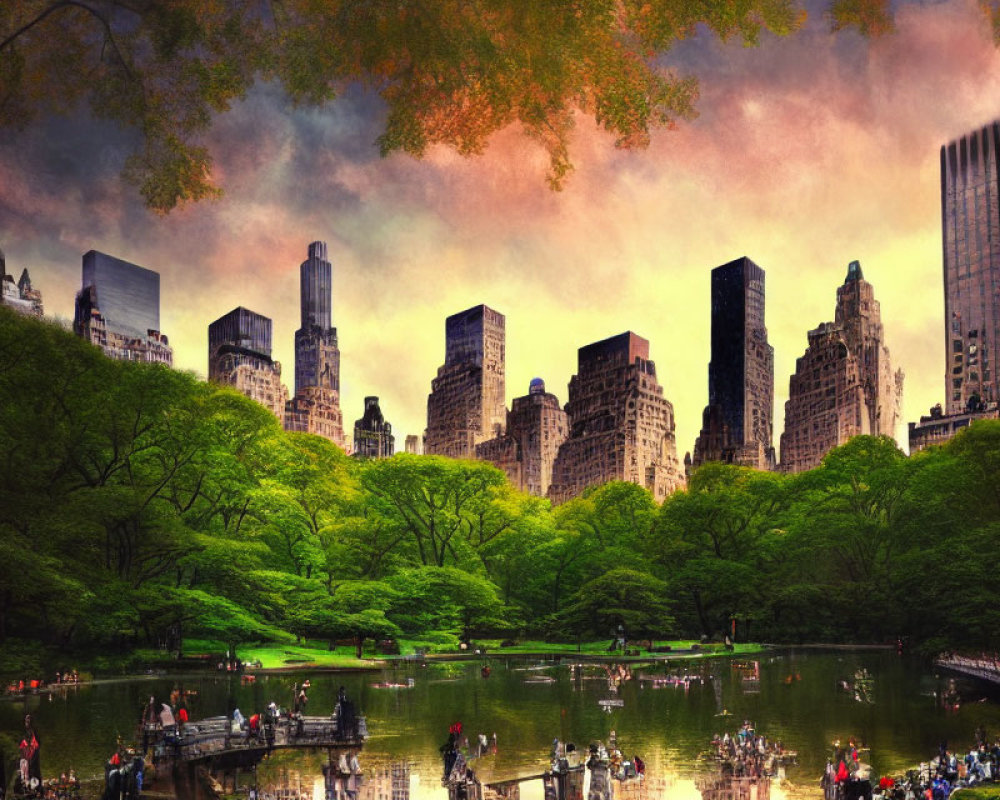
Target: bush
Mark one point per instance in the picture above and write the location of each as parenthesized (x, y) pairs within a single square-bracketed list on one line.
[(21, 658), (437, 642)]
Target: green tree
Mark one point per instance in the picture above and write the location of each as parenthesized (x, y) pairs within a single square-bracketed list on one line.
[(710, 541), (449, 72), (442, 505), (447, 598), (848, 532), (621, 599)]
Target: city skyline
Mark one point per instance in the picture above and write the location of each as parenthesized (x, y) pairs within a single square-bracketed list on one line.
[(808, 153)]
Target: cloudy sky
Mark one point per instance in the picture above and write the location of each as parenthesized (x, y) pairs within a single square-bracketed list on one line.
[(808, 152)]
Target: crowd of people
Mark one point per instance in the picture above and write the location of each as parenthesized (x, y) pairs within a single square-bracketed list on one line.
[(35, 685), (848, 777), (747, 754), (124, 772), (457, 750), (598, 756)]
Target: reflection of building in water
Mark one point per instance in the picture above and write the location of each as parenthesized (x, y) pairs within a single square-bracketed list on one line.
[(287, 785), (387, 783), (467, 788), (726, 787), (343, 780), (510, 790), (564, 785)]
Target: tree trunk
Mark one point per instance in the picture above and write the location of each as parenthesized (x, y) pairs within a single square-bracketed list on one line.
[(705, 626), (359, 644)]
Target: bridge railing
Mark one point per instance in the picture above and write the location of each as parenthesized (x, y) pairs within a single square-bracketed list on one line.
[(214, 735)]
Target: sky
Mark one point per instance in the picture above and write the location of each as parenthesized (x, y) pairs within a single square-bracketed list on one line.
[(808, 152)]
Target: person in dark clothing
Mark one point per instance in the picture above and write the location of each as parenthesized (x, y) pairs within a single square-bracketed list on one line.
[(449, 750), (346, 724)]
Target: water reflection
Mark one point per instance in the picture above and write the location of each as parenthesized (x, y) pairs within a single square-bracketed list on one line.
[(668, 714)]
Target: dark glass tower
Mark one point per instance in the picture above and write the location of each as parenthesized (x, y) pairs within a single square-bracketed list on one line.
[(738, 423), (241, 330), (118, 309), (128, 295), (970, 220)]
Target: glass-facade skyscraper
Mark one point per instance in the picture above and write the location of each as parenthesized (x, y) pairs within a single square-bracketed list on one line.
[(127, 294), (242, 330), (118, 309), (970, 217)]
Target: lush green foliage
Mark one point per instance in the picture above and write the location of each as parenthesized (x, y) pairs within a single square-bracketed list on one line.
[(139, 506), (450, 72)]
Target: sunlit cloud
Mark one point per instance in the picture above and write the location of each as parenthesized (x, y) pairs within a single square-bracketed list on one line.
[(807, 152)]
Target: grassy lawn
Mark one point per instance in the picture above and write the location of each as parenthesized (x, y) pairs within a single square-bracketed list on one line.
[(986, 792), (317, 654), (276, 656), (409, 646), (273, 656)]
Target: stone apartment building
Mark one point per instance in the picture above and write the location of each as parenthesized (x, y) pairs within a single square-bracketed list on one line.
[(621, 427), (19, 295), (239, 355), (372, 433), (536, 427), (844, 384), (466, 405)]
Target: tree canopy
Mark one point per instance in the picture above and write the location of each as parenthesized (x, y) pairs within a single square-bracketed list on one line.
[(139, 506), (450, 72)]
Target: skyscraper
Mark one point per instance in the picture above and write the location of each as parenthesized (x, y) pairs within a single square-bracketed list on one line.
[(239, 355), (316, 405), (738, 424), (317, 357), (536, 427), (621, 427), (372, 434), (844, 384), (467, 401), (118, 309), (970, 218)]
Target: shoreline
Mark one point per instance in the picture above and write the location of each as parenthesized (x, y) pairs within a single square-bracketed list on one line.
[(375, 664)]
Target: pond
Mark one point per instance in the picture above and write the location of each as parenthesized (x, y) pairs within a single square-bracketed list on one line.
[(903, 713)]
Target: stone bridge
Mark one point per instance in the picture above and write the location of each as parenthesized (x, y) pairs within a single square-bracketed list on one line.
[(212, 741)]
